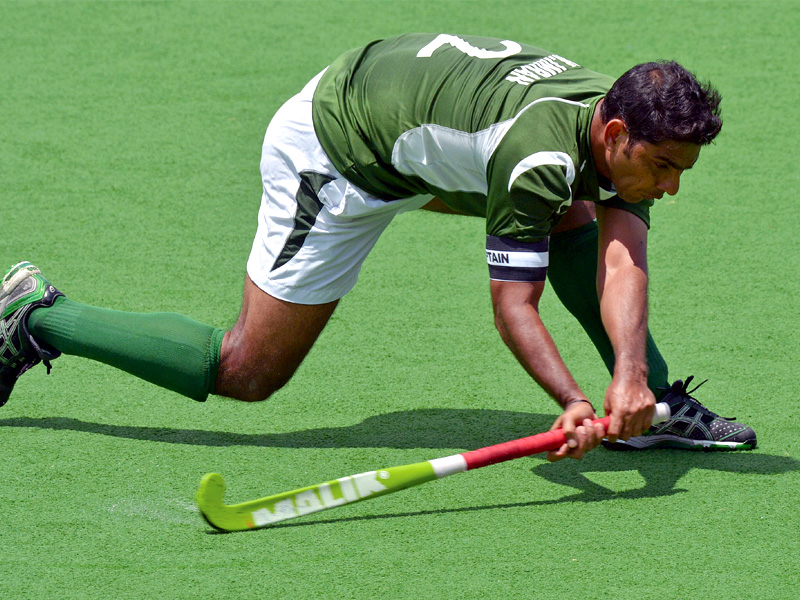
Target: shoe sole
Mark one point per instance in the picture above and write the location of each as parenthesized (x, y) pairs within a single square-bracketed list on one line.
[(673, 441)]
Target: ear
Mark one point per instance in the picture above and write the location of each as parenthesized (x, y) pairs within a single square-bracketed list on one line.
[(614, 133)]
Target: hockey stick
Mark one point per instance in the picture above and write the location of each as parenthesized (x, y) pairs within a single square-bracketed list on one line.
[(345, 490)]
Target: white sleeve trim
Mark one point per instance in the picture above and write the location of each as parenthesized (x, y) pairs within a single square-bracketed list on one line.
[(561, 159)]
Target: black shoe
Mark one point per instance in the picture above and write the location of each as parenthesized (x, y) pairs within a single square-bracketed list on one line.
[(692, 427)]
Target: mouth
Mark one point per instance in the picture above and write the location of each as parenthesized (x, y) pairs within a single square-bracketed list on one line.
[(631, 199)]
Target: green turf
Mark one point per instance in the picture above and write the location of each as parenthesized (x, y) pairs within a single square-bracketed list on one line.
[(129, 147)]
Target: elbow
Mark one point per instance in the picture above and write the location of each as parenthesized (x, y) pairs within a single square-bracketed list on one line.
[(500, 323), (507, 318), (514, 304)]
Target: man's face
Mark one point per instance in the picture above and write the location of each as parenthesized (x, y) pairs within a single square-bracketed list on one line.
[(645, 171)]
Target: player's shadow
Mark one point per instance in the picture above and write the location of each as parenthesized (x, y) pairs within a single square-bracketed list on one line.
[(462, 429)]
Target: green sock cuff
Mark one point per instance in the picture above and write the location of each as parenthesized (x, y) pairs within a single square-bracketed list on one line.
[(38, 315), (213, 353)]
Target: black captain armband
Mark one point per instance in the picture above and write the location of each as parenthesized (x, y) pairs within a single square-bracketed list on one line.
[(510, 260)]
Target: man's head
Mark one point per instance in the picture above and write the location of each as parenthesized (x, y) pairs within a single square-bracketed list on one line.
[(662, 101), (655, 118)]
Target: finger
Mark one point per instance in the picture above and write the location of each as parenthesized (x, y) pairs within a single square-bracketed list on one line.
[(557, 455), (641, 425), (578, 452), (568, 426), (599, 431), (632, 426), (643, 420), (583, 437), (614, 428), (593, 434), (649, 415), (626, 429)]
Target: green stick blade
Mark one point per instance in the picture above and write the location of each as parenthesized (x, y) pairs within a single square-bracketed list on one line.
[(303, 501)]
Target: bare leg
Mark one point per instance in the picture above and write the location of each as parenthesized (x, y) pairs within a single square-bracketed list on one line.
[(267, 344)]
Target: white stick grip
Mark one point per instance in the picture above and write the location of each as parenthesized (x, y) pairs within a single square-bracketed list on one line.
[(663, 413)]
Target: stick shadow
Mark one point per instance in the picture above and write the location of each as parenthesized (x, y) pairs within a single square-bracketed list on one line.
[(661, 470), (458, 429)]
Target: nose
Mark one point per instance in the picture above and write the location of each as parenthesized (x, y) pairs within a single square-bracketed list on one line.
[(670, 184)]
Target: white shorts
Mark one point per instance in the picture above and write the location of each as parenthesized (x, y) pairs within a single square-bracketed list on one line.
[(315, 228)]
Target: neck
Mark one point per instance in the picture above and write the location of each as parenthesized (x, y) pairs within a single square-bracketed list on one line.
[(597, 142)]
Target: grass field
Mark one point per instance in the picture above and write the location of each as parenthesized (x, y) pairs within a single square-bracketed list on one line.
[(129, 146)]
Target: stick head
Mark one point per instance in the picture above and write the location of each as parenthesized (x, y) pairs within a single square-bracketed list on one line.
[(212, 508)]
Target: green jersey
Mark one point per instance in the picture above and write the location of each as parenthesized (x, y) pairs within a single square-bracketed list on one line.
[(493, 128)]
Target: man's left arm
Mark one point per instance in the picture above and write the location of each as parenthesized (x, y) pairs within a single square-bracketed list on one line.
[(622, 289)]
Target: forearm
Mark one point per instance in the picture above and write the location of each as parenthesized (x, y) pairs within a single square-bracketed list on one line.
[(622, 289), (623, 307), (518, 322)]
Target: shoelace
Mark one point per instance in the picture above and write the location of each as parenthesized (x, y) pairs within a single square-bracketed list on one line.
[(684, 391), (41, 354)]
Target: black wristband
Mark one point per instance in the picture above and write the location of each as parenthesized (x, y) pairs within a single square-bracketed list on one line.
[(575, 401)]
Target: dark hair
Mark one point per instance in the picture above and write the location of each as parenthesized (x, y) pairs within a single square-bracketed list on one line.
[(660, 101)]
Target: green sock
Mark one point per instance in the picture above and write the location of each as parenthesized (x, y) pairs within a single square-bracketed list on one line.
[(573, 275), (167, 349)]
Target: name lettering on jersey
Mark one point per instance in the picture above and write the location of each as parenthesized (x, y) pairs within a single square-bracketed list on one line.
[(325, 495), (541, 69)]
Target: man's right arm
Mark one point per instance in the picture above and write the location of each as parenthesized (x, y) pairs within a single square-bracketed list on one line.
[(516, 313)]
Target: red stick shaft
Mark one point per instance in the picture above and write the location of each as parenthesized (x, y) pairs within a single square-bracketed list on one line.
[(534, 444)]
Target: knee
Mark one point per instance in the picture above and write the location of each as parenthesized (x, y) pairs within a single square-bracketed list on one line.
[(253, 395), (248, 379), (256, 386)]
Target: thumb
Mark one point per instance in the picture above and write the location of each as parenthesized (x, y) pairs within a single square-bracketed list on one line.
[(568, 426)]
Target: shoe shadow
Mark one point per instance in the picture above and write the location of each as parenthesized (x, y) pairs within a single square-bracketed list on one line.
[(661, 470)]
